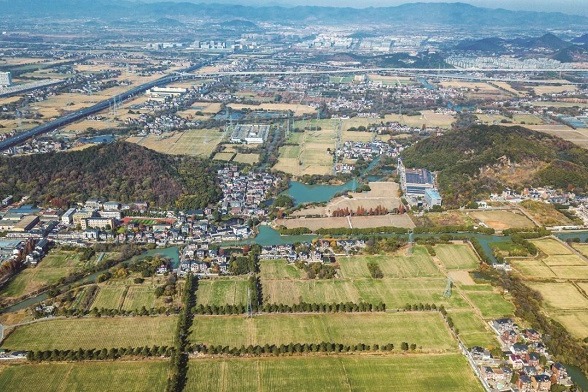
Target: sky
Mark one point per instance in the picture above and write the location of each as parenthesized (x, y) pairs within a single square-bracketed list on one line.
[(578, 7)]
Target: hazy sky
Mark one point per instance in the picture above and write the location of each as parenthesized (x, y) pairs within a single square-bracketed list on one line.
[(579, 7)]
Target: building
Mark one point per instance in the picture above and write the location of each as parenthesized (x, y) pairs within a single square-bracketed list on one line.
[(67, 218), (79, 216), (162, 92), (97, 223), (432, 198), (414, 182), (5, 79), (250, 133), (26, 223)]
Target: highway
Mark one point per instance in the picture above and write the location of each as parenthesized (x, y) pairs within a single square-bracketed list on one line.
[(83, 113)]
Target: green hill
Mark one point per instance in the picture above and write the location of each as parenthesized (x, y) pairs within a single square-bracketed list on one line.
[(119, 171), (475, 162)]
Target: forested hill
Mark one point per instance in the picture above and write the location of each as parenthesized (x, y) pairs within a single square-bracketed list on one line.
[(120, 171), (485, 159)]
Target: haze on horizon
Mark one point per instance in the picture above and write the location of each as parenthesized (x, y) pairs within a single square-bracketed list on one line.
[(577, 7)]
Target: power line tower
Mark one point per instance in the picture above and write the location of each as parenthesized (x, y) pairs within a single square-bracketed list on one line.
[(448, 287)]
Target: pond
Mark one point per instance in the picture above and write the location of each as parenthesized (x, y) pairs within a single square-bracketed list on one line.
[(172, 253), (302, 193)]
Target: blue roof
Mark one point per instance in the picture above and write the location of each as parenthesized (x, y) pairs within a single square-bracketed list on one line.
[(432, 193)]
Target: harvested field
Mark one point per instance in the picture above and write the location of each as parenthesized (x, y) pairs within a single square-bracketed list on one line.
[(250, 159), (501, 219), (195, 142), (551, 246), (110, 297), (560, 296), (207, 107), (532, 269), (360, 222), (576, 322), (545, 214), (224, 156), (461, 277)]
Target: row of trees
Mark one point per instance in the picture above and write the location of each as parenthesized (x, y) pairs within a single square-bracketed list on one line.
[(93, 354), (375, 270), (303, 307), (360, 211), (296, 348), (179, 359)]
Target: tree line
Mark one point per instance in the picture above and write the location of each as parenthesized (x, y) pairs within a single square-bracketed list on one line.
[(93, 354), (302, 307)]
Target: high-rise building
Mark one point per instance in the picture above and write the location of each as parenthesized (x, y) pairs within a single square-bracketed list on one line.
[(5, 79)]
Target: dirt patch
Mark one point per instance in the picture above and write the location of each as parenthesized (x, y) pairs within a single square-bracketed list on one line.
[(462, 277)]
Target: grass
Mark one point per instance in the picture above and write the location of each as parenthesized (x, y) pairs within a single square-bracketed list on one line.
[(222, 291), (139, 296), (93, 332), (426, 329), (395, 293), (491, 305), (576, 322), (279, 269), (472, 329), (457, 256), (448, 372), (56, 265), (85, 376)]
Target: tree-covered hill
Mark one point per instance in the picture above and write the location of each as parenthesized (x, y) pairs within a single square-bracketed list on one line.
[(484, 159), (119, 171)]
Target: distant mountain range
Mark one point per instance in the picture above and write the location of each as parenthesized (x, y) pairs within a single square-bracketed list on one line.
[(448, 14), (549, 44)]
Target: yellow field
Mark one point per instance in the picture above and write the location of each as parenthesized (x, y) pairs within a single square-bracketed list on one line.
[(207, 107), (195, 142), (360, 222), (298, 110), (247, 158), (482, 86), (501, 220), (311, 155), (533, 269), (552, 89), (551, 246), (509, 88), (428, 118), (576, 322), (392, 80), (561, 296)]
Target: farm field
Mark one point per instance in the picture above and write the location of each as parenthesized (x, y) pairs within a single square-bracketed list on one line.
[(560, 296), (311, 155), (279, 269), (222, 291), (472, 329), (545, 214), (576, 322), (551, 246), (448, 372), (298, 110), (250, 159), (109, 297), (447, 218), (360, 222), (194, 142), (457, 256), (501, 220), (85, 376), (419, 264), (491, 305), (532, 269), (426, 329), (54, 266), (224, 156), (93, 333), (582, 248), (207, 107), (395, 293)]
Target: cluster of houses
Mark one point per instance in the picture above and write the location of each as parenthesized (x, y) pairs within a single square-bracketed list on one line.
[(367, 151), (527, 367), (243, 194)]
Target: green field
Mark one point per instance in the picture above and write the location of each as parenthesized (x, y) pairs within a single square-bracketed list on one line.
[(109, 297), (472, 329), (93, 332), (395, 293), (139, 296), (222, 291), (491, 305), (87, 376), (56, 265), (419, 264), (426, 329), (457, 256), (359, 373), (279, 269)]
